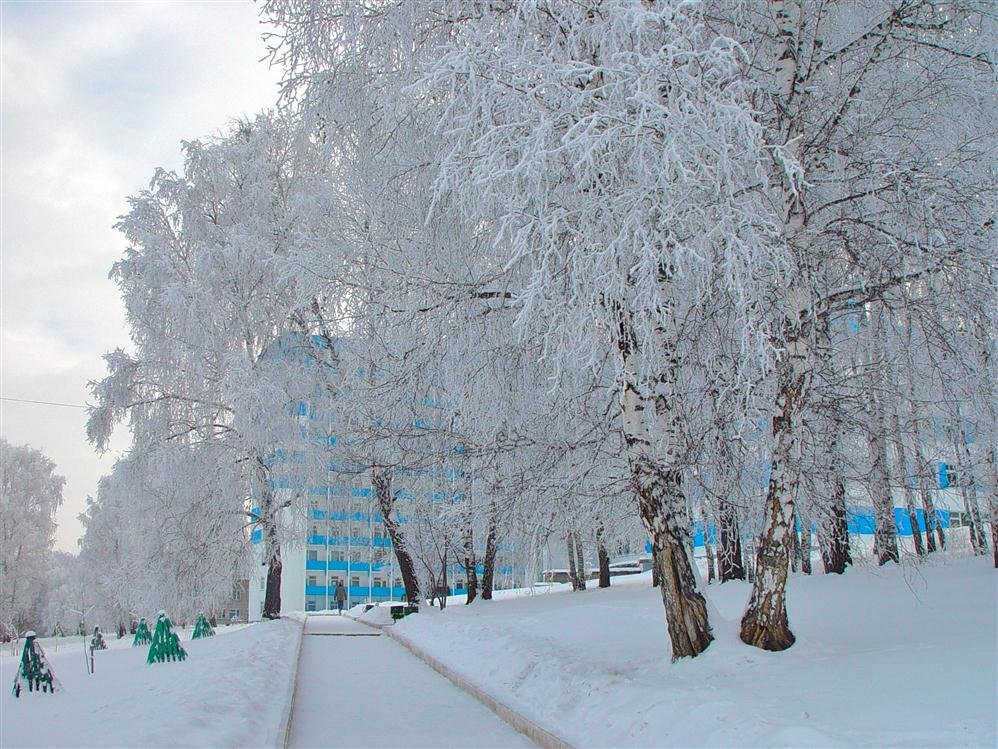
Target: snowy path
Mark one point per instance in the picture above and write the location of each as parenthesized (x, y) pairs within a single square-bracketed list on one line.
[(356, 687)]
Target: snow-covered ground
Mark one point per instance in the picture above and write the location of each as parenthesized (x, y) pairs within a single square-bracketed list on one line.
[(230, 692), (884, 657), (357, 688)]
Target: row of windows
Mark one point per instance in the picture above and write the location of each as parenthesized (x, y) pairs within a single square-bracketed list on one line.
[(379, 582)]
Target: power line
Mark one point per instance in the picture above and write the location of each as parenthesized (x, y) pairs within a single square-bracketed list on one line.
[(41, 403)]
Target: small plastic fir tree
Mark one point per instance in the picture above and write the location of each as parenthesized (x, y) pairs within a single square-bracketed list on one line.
[(165, 642), (97, 641), (34, 671), (202, 628), (142, 634)]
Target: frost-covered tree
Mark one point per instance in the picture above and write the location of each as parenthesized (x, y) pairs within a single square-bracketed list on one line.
[(30, 494), (853, 99), (611, 157), (208, 297)]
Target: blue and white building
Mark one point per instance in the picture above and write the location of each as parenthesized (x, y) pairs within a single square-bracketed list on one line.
[(346, 540)]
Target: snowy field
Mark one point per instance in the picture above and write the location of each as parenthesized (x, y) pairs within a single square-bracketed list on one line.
[(884, 657), (230, 692)]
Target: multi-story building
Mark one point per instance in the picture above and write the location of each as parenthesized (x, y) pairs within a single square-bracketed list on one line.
[(347, 541)]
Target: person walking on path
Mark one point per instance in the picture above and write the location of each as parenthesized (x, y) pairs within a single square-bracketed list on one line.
[(340, 595)]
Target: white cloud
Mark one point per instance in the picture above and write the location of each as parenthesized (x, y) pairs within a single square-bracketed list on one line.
[(95, 96)]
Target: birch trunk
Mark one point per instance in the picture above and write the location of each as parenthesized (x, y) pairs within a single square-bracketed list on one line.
[(795, 552), (968, 488), (647, 422), (901, 459), (765, 622), (442, 597), (489, 563), (469, 566), (272, 595), (706, 546), (382, 481), (271, 550), (730, 565), (805, 546), (926, 476), (992, 469), (573, 572), (885, 533), (580, 563), (604, 559), (835, 552)]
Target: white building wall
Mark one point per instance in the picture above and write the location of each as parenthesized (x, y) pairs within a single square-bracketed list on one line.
[(292, 582)]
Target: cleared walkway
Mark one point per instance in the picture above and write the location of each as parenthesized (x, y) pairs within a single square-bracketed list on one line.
[(358, 688)]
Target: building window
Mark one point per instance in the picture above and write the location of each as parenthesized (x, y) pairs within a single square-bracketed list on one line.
[(233, 614), (310, 605), (237, 594), (379, 582), (956, 519), (313, 555), (311, 580), (336, 556), (355, 582)]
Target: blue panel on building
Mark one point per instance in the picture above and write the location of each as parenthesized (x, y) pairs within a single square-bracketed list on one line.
[(315, 564), (256, 536), (698, 533)]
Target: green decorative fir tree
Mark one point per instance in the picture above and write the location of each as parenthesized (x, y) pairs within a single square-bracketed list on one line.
[(202, 628), (142, 634), (97, 642), (34, 671), (165, 643)]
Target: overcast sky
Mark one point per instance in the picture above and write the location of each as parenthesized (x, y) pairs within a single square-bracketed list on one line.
[(95, 96)]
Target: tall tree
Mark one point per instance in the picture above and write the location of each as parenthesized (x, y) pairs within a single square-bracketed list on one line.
[(30, 494)]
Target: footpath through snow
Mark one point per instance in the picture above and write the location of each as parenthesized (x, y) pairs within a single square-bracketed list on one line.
[(884, 657), (357, 688), (231, 691)]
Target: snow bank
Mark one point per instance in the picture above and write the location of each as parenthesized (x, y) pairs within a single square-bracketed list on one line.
[(895, 657), (230, 692)]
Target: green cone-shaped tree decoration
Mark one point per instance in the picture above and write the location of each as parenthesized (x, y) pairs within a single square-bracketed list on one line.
[(165, 643), (34, 671), (202, 628), (97, 642), (142, 634)]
